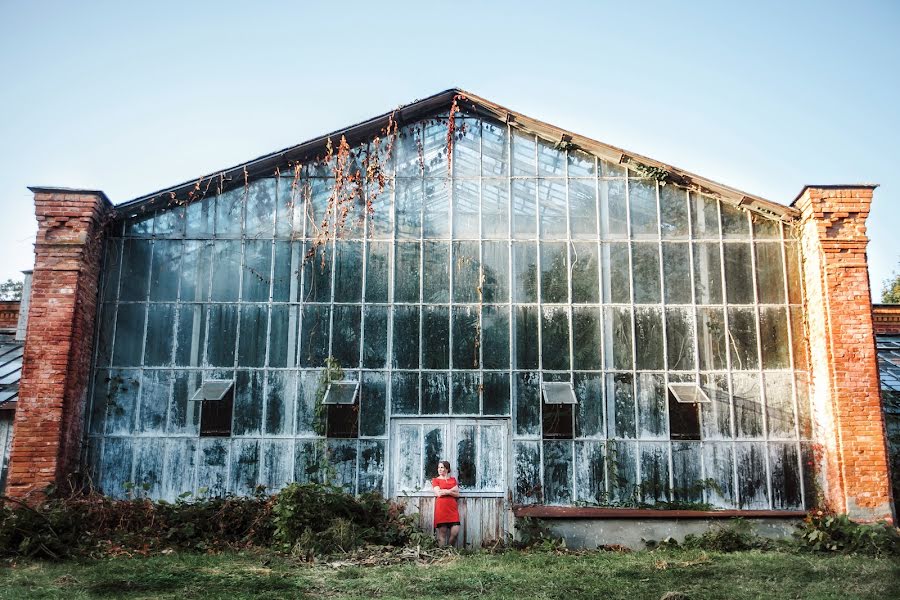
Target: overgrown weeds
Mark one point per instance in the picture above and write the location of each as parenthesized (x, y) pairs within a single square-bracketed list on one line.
[(824, 532)]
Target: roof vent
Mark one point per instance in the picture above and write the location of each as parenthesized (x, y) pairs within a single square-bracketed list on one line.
[(341, 392), (688, 393), (558, 392)]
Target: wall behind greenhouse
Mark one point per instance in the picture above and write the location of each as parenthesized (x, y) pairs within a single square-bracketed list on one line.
[(465, 286)]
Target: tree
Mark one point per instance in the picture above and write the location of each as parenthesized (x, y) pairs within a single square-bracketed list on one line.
[(890, 289), (11, 290)]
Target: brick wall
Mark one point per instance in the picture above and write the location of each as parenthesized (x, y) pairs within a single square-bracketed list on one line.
[(56, 364), (886, 319), (9, 314), (845, 394)]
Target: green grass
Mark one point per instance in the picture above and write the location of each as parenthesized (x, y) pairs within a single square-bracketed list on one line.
[(512, 575)]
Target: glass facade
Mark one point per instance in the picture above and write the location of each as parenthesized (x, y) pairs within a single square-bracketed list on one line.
[(466, 285)]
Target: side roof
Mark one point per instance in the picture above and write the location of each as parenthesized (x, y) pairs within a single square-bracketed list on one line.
[(363, 132)]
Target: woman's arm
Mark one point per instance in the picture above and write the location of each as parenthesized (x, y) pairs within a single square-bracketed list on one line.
[(454, 491), (438, 491)]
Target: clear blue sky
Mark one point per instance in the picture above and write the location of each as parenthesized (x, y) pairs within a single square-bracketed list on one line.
[(762, 96)]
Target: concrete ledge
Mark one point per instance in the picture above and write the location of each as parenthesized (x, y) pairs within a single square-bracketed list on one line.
[(592, 512)]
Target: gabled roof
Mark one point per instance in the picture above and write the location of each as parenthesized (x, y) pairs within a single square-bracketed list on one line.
[(366, 130)]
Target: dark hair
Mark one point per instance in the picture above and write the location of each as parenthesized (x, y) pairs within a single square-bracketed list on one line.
[(446, 464)]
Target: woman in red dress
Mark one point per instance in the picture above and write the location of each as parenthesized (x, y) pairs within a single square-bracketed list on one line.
[(446, 512)]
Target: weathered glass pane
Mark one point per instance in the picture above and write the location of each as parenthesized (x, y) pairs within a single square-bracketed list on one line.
[(528, 403), (281, 388), (794, 282), (651, 402), (199, 216), (527, 489), (589, 410), (704, 216), (583, 208), (711, 339), (160, 324), (435, 394), (613, 209), (798, 338), (524, 157), (803, 407), (409, 200), (184, 415), (585, 274), (676, 273), (121, 401), (495, 208), (654, 473), (587, 330), (581, 164), (248, 402), (287, 265), (765, 228), (317, 275), (253, 335), (738, 273), (375, 346), (673, 208), (191, 337), (345, 345), (164, 274), (748, 407), (373, 404), (342, 464), (554, 272), (140, 224), (406, 337), (779, 405), (495, 277), (288, 207), (434, 145), (260, 208), (106, 320), (466, 200), (718, 460), (707, 273), (135, 269), (686, 472), (466, 337), (465, 392), (466, 272), (156, 386), (734, 222), (371, 466), (348, 272), (620, 405), (680, 338), (212, 467), (558, 472), (436, 272), (494, 149), (526, 332), (769, 273), (436, 209), (181, 465), (314, 335), (195, 271), (751, 476), (309, 460), (129, 335), (496, 393), (555, 338), (404, 393), (552, 208), (148, 466), (624, 488), (525, 272), (406, 272), (648, 338), (524, 206), (381, 216), (283, 336), (308, 388), (590, 479), (226, 262), (257, 271), (716, 415), (617, 334), (551, 162), (229, 209), (466, 456), (616, 274), (642, 196), (318, 192), (275, 464), (785, 466), (436, 337), (495, 337), (742, 335), (169, 222), (773, 335), (112, 265), (645, 260), (377, 262)]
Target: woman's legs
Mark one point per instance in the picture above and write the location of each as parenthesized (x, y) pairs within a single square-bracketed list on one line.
[(441, 531), (454, 532)]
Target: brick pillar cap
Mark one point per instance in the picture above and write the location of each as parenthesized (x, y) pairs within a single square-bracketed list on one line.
[(835, 186), (41, 189)]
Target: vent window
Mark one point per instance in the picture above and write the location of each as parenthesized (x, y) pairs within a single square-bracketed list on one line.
[(216, 398), (342, 411), (684, 410), (557, 410)]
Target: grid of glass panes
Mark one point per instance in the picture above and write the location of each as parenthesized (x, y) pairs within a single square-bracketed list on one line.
[(467, 286)]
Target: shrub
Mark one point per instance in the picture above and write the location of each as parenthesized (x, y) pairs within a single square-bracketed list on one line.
[(535, 534), (734, 535), (824, 532)]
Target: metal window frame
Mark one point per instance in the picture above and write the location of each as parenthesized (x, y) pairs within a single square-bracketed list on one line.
[(341, 384)]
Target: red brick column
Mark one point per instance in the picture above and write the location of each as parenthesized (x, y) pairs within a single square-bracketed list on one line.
[(55, 370), (845, 395)]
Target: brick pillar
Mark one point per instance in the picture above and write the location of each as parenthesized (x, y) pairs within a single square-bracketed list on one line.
[(845, 395), (55, 370)]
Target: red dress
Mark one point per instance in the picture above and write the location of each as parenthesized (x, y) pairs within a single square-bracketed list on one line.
[(445, 507)]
